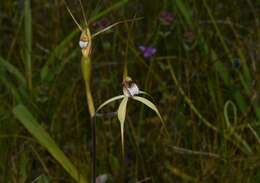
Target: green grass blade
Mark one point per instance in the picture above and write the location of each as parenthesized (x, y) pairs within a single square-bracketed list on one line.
[(179, 173), (121, 113), (108, 10), (184, 11), (247, 149), (48, 71), (218, 32), (221, 69), (13, 70), (244, 64), (240, 100), (30, 123), (11, 88), (189, 102), (223, 73), (234, 109), (28, 41)]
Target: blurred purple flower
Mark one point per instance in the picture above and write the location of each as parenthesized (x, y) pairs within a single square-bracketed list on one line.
[(147, 52), (189, 36), (166, 17), (101, 24)]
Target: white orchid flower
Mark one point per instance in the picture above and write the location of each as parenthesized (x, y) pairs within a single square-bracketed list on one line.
[(130, 91)]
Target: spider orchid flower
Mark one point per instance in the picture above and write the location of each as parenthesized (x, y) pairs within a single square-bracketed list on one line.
[(130, 91)]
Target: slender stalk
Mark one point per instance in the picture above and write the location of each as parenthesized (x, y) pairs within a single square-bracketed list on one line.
[(93, 134), (86, 70)]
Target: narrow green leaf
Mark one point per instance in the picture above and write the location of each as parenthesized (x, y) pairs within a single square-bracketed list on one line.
[(244, 64), (121, 113), (240, 100), (48, 71), (28, 41), (30, 123), (184, 11), (218, 32), (257, 109), (247, 149), (109, 101), (234, 109), (13, 70), (223, 72), (108, 10), (10, 86)]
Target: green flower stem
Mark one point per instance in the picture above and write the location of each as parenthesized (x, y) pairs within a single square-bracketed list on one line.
[(86, 71)]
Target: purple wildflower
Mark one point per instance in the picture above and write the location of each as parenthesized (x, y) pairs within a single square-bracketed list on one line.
[(189, 36), (147, 52), (101, 24), (166, 17)]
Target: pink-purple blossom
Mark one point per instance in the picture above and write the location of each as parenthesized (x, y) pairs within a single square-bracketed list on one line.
[(166, 17), (147, 52), (101, 24)]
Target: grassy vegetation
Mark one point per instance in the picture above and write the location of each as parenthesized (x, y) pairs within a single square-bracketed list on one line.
[(199, 60)]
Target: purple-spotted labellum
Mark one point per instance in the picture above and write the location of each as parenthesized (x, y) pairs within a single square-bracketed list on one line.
[(147, 52), (166, 17), (129, 87)]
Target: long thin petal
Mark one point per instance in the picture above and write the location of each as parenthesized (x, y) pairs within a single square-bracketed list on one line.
[(121, 113), (149, 104), (153, 107), (109, 101)]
